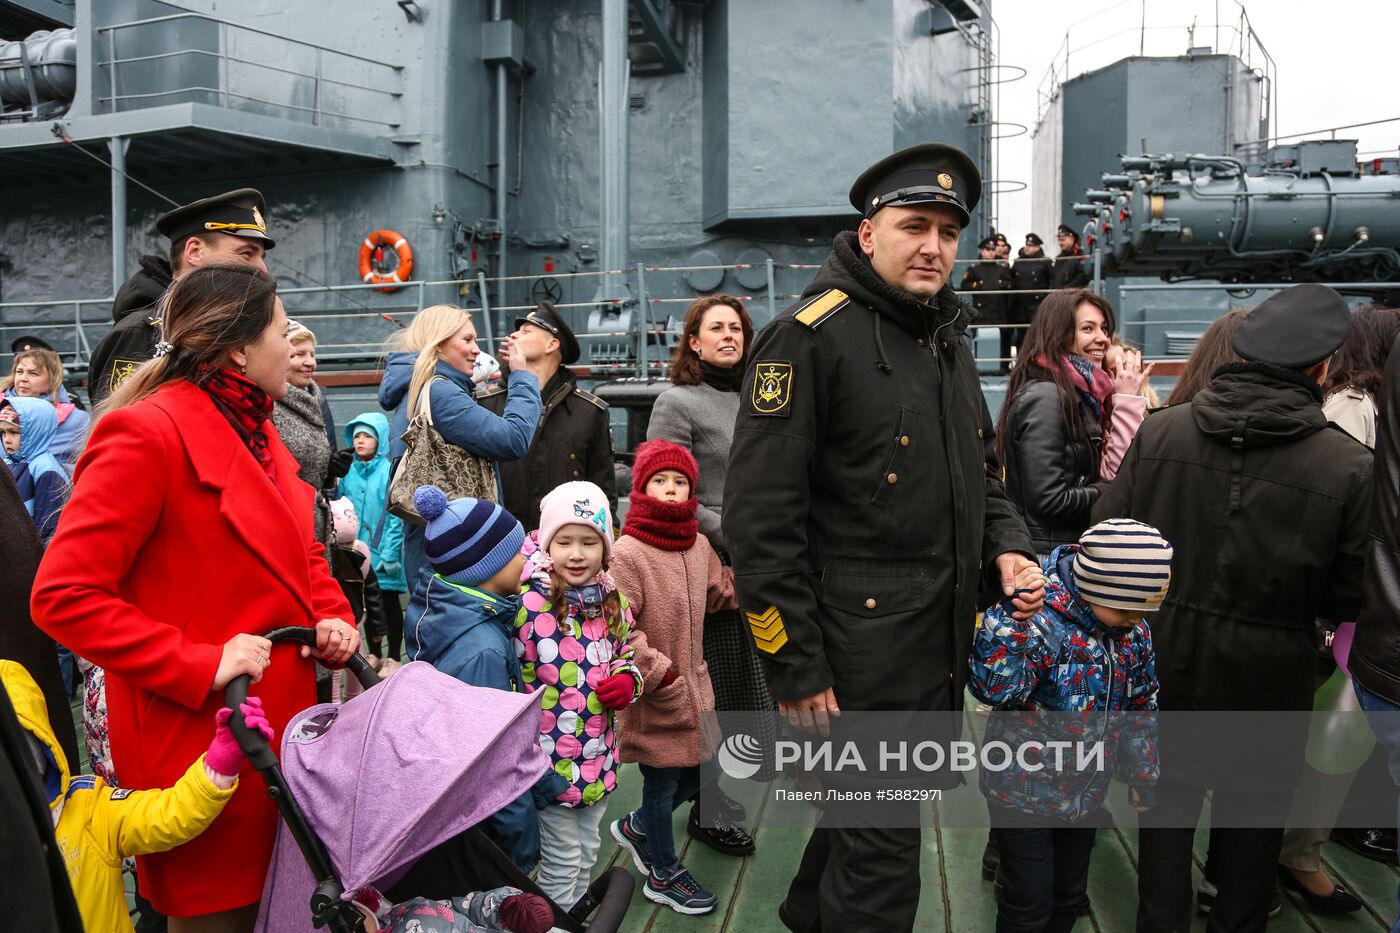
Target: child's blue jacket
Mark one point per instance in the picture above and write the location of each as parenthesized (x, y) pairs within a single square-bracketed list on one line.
[(463, 631), (466, 632), (367, 486)]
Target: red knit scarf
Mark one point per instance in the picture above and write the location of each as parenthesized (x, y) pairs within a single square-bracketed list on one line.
[(246, 407), (670, 526)]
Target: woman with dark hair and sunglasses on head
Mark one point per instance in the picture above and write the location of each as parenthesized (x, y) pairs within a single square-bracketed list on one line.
[(187, 538), (1052, 432)]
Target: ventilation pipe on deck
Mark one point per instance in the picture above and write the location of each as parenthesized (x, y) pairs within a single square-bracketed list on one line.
[(613, 175), (502, 188), (117, 146)]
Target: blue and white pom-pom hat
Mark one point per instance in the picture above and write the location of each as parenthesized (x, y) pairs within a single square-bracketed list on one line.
[(576, 503), (1123, 564), (467, 541)]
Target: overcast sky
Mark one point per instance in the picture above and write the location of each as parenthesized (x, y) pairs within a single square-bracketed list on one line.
[(1332, 63)]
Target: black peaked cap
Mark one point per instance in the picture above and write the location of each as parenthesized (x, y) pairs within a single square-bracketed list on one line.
[(547, 316), (1297, 328), (237, 213), (922, 174)]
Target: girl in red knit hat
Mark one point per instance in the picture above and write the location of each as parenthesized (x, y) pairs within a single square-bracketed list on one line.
[(672, 577)]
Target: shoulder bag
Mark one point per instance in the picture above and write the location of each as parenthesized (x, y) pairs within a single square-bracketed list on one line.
[(430, 460)]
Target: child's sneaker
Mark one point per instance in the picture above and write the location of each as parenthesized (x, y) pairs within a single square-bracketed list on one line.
[(679, 891), (632, 839)]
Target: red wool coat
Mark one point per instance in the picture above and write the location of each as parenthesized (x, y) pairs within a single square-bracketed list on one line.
[(669, 593), (173, 542)]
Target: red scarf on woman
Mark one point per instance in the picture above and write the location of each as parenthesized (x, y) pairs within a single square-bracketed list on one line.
[(670, 526), (246, 407)]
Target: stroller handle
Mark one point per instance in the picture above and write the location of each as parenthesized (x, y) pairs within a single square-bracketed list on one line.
[(254, 746)]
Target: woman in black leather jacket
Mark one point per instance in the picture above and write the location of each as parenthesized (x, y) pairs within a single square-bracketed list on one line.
[(1052, 429)]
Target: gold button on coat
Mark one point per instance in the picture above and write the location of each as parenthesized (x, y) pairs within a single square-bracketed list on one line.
[(892, 479), (870, 603), (904, 441)]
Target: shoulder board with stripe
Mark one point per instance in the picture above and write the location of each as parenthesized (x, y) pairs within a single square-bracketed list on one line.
[(590, 398), (495, 388), (822, 307)]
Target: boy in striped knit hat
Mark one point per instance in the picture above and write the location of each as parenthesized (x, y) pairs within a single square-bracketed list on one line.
[(461, 616), (1084, 657)]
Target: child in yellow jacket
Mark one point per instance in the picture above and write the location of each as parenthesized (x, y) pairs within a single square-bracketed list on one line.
[(97, 825)]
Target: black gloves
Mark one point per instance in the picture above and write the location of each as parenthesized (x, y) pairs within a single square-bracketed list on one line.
[(339, 465)]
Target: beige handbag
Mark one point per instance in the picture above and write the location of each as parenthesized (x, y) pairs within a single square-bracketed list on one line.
[(429, 460)]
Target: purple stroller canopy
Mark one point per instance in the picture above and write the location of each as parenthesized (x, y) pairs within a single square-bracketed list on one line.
[(392, 773)]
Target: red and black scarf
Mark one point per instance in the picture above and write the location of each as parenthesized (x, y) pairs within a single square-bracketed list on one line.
[(246, 407), (1092, 384), (670, 526)]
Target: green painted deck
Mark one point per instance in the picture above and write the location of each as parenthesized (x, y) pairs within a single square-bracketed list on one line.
[(954, 898)]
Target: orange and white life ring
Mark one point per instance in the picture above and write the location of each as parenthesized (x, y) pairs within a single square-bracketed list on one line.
[(372, 260)]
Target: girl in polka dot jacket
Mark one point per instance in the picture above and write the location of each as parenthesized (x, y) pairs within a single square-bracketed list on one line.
[(572, 636)]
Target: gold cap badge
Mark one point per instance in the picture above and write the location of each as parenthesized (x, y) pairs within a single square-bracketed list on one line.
[(945, 181)]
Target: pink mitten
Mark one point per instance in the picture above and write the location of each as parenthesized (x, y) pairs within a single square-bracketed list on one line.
[(224, 755)]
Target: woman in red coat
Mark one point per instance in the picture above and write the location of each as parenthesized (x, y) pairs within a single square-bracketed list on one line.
[(187, 536)]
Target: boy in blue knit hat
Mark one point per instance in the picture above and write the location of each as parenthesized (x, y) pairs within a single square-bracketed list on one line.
[(461, 618)]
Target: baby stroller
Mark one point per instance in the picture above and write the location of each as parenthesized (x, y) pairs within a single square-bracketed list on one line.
[(392, 787)]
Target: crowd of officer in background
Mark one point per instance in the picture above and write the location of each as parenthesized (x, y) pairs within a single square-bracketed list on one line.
[(1007, 293)]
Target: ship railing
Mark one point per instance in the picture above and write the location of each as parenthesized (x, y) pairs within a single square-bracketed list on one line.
[(75, 326), (241, 74)]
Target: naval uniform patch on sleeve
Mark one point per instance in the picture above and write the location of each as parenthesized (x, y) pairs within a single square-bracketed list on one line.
[(121, 371), (769, 634), (772, 388)]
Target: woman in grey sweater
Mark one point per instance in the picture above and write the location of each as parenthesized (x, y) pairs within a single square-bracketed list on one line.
[(698, 413)]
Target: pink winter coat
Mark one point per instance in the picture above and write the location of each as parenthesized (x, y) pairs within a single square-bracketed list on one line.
[(670, 592)]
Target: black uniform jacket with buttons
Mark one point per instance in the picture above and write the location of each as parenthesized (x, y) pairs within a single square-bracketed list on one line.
[(858, 507), (572, 442), (989, 275), (1030, 274), (133, 340), (1070, 269)]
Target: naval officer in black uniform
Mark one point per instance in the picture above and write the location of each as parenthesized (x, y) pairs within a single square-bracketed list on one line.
[(991, 274), (227, 228), (573, 440), (860, 515)]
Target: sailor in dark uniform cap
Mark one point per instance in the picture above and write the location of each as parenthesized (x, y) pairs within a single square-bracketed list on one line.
[(27, 342), (1268, 508), (227, 228), (1070, 267), (989, 274), (860, 516), (1031, 273), (573, 440)]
